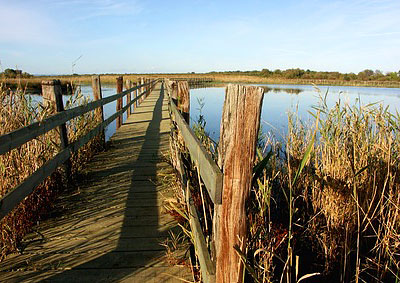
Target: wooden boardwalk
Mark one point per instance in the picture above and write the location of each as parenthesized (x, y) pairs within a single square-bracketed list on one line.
[(111, 227)]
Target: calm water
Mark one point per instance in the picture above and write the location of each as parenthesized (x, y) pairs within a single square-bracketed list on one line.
[(278, 101)]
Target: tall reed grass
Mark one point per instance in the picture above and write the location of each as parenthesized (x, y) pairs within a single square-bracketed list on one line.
[(328, 206)]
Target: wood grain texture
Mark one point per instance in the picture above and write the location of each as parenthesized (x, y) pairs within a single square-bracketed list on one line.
[(239, 131), (184, 100)]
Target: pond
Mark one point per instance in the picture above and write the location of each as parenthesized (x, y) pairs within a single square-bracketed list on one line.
[(281, 99), (278, 101)]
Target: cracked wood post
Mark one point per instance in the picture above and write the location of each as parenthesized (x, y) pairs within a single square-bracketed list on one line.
[(141, 81), (97, 95), (239, 131), (128, 85), (184, 100), (52, 96), (119, 101)]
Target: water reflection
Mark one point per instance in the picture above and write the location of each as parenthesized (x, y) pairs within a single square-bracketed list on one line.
[(281, 99)]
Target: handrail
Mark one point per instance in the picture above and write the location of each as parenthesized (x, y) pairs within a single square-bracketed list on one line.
[(16, 195), (20, 136), (209, 171)]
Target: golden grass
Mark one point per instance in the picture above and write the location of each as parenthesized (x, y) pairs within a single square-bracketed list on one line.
[(16, 111), (217, 77)]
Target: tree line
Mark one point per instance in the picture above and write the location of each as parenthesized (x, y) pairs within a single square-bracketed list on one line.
[(365, 75)]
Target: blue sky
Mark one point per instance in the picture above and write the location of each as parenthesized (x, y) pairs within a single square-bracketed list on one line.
[(46, 36)]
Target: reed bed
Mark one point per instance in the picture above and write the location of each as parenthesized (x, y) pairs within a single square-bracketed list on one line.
[(18, 110), (216, 77), (328, 206)]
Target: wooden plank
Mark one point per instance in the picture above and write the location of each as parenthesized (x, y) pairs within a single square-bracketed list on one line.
[(239, 131), (209, 171), (15, 196), (18, 137), (207, 267)]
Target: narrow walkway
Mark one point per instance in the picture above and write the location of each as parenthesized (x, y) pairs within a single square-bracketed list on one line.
[(112, 227)]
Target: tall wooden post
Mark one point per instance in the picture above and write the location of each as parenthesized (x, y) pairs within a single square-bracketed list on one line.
[(239, 132), (135, 96), (174, 92), (52, 95), (128, 85), (97, 95), (184, 99), (119, 100)]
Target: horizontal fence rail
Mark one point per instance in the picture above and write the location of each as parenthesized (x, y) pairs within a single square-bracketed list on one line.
[(209, 171), (19, 193), (213, 180), (19, 137)]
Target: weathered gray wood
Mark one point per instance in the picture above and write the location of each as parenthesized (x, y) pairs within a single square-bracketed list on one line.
[(135, 95), (239, 131), (15, 196), (209, 171), (119, 101), (184, 100), (18, 137)]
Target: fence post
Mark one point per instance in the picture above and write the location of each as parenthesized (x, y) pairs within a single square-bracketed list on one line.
[(239, 130), (141, 81), (135, 104), (128, 85), (97, 95), (184, 100), (119, 101), (52, 94)]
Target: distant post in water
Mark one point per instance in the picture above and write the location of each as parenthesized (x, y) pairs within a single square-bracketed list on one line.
[(128, 85), (184, 99), (97, 95), (239, 131), (119, 100), (52, 96)]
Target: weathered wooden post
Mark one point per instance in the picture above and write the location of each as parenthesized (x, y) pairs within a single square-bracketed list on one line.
[(52, 96), (239, 132), (174, 91), (97, 95), (141, 82), (184, 99), (120, 83), (135, 104), (128, 85)]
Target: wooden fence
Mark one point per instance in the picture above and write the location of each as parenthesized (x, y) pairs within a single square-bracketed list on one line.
[(227, 189), (19, 137)]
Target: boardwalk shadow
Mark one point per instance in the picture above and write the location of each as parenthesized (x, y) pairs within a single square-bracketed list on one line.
[(111, 230)]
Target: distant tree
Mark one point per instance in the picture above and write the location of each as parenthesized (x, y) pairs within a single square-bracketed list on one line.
[(365, 75), (12, 74)]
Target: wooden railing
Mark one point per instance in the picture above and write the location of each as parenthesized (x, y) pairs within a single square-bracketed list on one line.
[(212, 178), (19, 137), (228, 190)]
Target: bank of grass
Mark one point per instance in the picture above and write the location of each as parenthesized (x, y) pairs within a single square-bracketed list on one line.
[(216, 77), (16, 111)]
